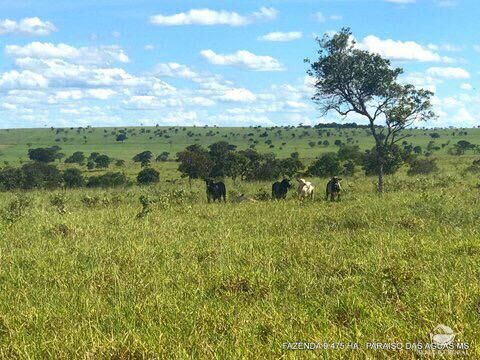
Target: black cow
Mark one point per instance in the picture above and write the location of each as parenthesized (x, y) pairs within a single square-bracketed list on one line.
[(280, 189), (216, 191), (333, 188)]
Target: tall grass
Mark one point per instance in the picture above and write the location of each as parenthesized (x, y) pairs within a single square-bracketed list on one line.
[(83, 276)]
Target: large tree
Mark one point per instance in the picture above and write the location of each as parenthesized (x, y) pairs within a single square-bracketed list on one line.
[(349, 80)]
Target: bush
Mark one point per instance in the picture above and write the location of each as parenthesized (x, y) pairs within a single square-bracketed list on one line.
[(148, 176), (10, 179), (163, 156), (394, 158), (326, 165), (109, 179), (102, 161), (73, 178), (40, 175), (422, 167), (44, 155), (76, 158)]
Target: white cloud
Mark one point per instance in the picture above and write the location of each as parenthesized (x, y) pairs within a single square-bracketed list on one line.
[(266, 13), (464, 118), (400, 50), (208, 17), (22, 80), (102, 94), (446, 3), (320, 17), (82, 55), (173, 69), (448, 73), (238, 95), (149, 47), (28, 26), (466, 86), (243, 58), (281, 36)]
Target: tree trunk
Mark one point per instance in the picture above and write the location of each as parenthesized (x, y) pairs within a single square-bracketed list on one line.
[(380, 177)]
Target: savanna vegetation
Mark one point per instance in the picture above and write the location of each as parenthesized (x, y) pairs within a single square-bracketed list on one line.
[(109, 249)]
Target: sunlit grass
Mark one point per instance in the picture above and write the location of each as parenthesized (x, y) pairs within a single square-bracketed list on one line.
[(189, 279)]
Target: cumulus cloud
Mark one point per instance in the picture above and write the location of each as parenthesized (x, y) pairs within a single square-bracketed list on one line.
[(173, 69), (400, 50), (245, 59), (281, 36), (466, 86), (28, 26), (22, 80), (238, 95), (321, 18), (448, 73), (208, 17), (81, 55)]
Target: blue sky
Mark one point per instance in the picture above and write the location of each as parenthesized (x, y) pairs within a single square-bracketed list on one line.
[(226, 63)]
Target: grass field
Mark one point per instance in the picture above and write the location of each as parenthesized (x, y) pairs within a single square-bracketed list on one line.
[(14, 144), (83, 276)]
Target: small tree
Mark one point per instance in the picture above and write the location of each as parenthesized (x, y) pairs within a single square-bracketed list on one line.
[(77, 157), (422, 167), (163, 156), (349, 80), (102, 161), (73, 178), (121, 137), (41, 176), (235, 165), (326, 165), (195, 163), (44, 155), (143, 156), (148, 176)]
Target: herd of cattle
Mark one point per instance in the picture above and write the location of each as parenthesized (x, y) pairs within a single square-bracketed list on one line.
[(218, 191)]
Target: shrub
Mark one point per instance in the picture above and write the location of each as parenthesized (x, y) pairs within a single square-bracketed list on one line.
[(16, 209), (40, 175), (44, 155), (326, 165), (422, 167), (77, 157), (163, 156), (109, 179), (394, 158), (10, 179), (102, 161), (148, 176), (73, 178)]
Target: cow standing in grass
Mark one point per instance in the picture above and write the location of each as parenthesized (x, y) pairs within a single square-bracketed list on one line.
[(216, 191), (333, 189), (305, 189), (280, 189)]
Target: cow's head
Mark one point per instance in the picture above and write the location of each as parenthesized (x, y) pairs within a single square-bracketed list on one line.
[(286, 183), (301, 181)]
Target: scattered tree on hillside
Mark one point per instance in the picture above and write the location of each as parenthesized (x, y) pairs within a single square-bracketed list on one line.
[(195, 163), (148, 176), (325, 166), (77, 157), (45, 155)]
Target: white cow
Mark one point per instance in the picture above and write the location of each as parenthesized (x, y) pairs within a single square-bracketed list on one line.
[(305, 189)]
